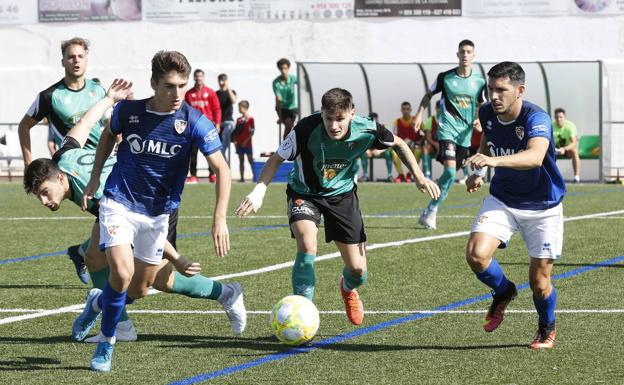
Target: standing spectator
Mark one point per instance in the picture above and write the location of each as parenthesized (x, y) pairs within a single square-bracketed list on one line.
[(430, 145), (205, 100), (284, 88), (227, 98), (245, 128), (386, 154), (566, 140), (404, 127)]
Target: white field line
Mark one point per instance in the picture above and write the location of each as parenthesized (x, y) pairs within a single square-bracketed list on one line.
[(261, 217), (229, 217), (482, 311), (286, 265)]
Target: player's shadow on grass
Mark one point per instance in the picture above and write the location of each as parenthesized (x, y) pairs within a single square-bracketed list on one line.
[(270, 345), (564, 264), (383, 348), (34, 363), (45, 286)]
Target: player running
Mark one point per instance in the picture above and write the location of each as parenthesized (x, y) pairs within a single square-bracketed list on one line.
[(146, 185), (525, 195), (325, 147), (462, 91), (63, 103), (66, 175)]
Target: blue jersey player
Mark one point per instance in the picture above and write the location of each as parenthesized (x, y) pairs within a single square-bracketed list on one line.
[(525, 196), (145, 186)]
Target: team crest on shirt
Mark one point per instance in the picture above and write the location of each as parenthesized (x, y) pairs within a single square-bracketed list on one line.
[(112, 230), (488, 124), (520, 132), (205, 94), (180, 125), (482, 219)]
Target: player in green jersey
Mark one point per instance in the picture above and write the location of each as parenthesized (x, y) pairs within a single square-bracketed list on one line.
[(463, 90), (285, 90), (325, 147), (566, 140), (63, 104), (66, 176)]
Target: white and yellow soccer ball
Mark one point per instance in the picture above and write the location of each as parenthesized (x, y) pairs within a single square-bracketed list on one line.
[(294, 320)]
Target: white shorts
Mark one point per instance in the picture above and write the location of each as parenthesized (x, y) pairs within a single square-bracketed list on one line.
[(542, 230), (120, 226)]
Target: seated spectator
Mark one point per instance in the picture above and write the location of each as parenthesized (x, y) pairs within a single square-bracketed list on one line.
[(566, 140)]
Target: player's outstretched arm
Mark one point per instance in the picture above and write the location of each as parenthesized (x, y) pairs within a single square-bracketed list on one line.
[(103, 151), (407, 157), (182, 264), (424, 103), (23, 130), (220, 234), (253, 201), (529, 159), (119, 90)]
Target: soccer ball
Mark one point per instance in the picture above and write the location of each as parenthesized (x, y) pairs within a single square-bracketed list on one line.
[(294, 320)]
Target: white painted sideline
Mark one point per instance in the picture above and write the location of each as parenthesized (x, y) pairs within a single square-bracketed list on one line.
[(285, 265), (206, 312)]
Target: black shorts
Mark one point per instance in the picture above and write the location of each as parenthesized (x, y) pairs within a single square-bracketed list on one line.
[(450, 151), (341, 214), (172, 234), (289, 114)]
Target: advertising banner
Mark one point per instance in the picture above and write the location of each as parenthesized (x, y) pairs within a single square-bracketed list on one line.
[(301, 9), (18, 11), (498, 8), (89, 10), (399, 8), (189, 10)]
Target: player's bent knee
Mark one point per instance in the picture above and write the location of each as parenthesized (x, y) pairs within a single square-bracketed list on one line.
[(477, 257), (307, 246)]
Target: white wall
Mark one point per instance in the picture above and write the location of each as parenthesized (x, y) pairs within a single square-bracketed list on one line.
[(247, 51)]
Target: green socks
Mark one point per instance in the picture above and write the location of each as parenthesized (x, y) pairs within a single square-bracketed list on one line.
[(303, 278), (196, 286), (82, 250), (427, 165), (352, 281), (445, 182), (99, 279)]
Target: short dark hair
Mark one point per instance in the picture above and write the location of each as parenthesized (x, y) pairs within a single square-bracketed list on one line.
[(507, 69), (465, 42), (244, 103), (559, 110), (84, 43), (165, 61), (37, 172), (336, 100), (406, 104), (222, 77), (283, 61), (198, 71)]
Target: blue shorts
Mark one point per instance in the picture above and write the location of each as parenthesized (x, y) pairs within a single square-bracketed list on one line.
[(244, 150)]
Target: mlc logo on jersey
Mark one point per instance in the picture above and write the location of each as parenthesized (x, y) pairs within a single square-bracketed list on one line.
[(154, 147)]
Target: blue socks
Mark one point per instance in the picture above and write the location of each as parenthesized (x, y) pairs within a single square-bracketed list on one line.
[(494, 278), (112, 303), (546, 308)]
